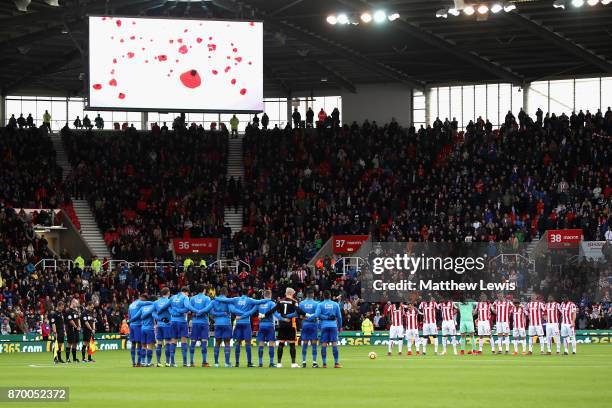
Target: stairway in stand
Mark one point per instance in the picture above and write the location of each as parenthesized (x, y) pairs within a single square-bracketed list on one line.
[(89, 229), (61, 158), (235, 168)]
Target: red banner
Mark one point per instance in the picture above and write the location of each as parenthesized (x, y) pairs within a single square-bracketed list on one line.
[(566, 238), (348, 244), (197, 246)]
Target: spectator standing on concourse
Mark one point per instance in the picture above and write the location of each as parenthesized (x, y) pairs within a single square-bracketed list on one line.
[(234, 126), (297, 118), (47, 120), (309, 117)]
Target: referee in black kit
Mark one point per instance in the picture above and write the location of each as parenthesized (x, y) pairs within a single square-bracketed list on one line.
[(57, 328), (88, 323), (73, 330)]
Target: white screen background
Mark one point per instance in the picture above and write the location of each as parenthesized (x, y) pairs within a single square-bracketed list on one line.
[(127, 68)]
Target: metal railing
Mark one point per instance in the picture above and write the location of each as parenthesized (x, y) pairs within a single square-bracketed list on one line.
[(231, 264), (350, 262)]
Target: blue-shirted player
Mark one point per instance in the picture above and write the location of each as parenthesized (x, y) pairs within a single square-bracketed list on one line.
[(266, 333), (310, 327), (163, 331), (179, 306), (136, 329), (199, 326), (218, 309), (148, 334), (328, 312), (243, 307)]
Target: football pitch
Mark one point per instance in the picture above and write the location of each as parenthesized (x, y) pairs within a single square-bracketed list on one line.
[(421, 381)]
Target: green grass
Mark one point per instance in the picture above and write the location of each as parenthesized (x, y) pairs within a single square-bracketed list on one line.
[(431, 381)]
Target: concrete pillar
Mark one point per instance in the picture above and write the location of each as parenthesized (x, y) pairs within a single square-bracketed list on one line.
[(526, 87), (144, 118), (2, 110), (427, 107), (289, 110)]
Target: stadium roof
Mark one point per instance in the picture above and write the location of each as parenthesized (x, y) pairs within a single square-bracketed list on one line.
[(45, 48)]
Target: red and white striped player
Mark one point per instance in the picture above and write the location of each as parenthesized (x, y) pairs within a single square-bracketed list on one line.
[(449, 327), (502, 308), (428, 310), (411, 314), (518, 327), (484, 322), (552, 324), (535, 310), (568, 324), (395, 313)]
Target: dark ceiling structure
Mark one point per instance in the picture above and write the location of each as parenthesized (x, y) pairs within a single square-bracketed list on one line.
[(45, 47)]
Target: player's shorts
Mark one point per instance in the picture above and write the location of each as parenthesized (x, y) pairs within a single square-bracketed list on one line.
[(536, 331), (412, 334), (60, 338), (243, 332), (147, 336), (329, 335), (87, 335), (449, 328), (286, 333), (466, 327), (484, 328), (223, 332), (135, 333), (430, 329), (72, 336), (552, 329), (199, 331), (396, 332), (163, 333), (518, 332), (567, 330), (178, 329), (266, 333), (502, 328), (309, 332)]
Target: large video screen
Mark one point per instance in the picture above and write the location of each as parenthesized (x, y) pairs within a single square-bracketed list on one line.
[(161, 64)]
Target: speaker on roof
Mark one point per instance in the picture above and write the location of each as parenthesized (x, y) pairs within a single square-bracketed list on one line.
[(459, 4), (22, 5)]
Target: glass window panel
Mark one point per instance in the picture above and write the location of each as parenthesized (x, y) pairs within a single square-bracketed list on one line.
[(561, 97), (58, 114), (27, 106), (443, 103), (418, 100), (433, 105), (538, 97), (517, 99), (75, 108), (587, 94), (606, 93), (419, 117), (13, 106), (505, 105), (134, 118), (456, 107), (480, 101), (493, 104), (468, 105)]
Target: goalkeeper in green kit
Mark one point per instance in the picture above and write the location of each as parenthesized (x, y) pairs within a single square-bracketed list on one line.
[(466, 322)]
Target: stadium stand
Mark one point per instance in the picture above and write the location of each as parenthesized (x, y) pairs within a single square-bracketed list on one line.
[(301, 186)]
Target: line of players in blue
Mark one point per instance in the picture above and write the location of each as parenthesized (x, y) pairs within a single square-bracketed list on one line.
[(162, 323)]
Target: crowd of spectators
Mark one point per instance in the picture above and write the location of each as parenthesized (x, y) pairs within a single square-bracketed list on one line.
[(146, 188), (301, 186)]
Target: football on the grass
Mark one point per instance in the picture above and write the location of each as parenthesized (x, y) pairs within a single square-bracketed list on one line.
[(372, 355)]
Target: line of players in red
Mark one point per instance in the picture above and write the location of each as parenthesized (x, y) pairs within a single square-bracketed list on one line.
[(548, 321)]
